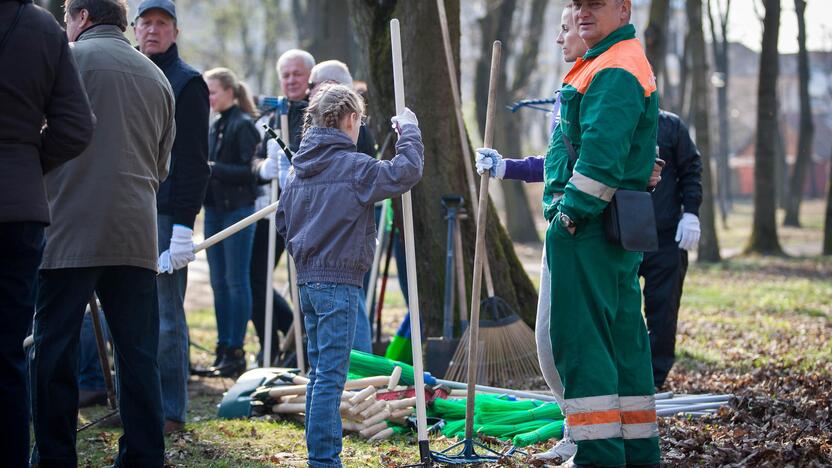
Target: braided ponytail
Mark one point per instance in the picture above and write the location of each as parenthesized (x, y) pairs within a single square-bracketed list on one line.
[(330, 105)]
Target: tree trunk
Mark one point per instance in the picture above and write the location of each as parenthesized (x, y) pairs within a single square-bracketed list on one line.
[(719, 44), (807, 129), (655, 38), (827, 224), (325, 31), (782, 167), (764, 227), (708, 242), (444, 171), (497, 24)]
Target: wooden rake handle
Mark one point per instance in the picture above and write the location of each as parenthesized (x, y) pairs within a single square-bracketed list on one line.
[(479, 249)]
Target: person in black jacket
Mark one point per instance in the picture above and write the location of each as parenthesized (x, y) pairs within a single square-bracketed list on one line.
[(179, 199), (230, 198), (676, 202), (39, 84), (293, 67)]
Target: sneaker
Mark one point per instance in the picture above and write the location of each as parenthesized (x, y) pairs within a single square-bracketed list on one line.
[(564, 450)]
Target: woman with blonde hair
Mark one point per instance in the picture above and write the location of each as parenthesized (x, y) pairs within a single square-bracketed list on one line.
[(230, 198)]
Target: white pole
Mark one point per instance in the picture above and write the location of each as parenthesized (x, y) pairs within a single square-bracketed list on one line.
[(235, 228), (410, 254), (293, 279), (380, 243), (269, 312)]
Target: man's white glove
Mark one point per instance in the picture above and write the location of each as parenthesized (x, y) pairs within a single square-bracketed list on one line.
[(687, 233), (488, 159), (269, 169), (180, 252), (407, 117)]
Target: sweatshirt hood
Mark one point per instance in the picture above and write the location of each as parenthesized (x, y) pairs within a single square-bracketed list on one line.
[(318, 149)]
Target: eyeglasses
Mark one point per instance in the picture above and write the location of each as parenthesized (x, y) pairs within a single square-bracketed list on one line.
[(365, 120)]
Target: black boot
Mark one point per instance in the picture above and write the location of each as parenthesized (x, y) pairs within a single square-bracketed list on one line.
[(233, 363), (210, 370), (220, 355)]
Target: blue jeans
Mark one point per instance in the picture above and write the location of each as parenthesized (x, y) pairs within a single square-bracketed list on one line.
[(329, 313), (173, 332), (90, 376), (21, 246), (229, 263)]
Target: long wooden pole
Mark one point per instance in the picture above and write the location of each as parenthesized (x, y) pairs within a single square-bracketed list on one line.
[(410, 254), (102, 353), (460, 125), (236, 227), (479, 250)]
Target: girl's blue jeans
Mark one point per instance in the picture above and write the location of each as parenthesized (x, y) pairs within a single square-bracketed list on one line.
[(229, 263), (331, 312)]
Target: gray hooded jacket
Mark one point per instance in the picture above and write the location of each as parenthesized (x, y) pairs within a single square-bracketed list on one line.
[(325, 212)]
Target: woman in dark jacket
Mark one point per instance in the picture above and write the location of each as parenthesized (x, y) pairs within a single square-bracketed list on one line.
[(230, 198)]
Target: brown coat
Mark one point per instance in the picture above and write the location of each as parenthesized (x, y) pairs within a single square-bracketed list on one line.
[(103, 203)]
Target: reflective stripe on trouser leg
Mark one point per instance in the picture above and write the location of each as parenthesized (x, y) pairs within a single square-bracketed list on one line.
[(638, 417), (635, 371), (584, 280), (542, 336), (593, 418)]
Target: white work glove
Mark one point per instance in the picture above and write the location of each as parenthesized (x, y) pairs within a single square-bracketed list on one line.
[(488, 159), (269, 169), (180, 252), (407, 117), (687, 233)]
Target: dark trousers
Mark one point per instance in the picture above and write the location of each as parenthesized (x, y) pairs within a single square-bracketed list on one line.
[(664, 275), (21, 246), (259, 269), (128, 298)]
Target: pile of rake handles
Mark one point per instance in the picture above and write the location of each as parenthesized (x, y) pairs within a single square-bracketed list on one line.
[(693, 406), (374, 407)]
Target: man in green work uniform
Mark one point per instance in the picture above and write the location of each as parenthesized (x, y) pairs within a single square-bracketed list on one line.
[(609, 115)]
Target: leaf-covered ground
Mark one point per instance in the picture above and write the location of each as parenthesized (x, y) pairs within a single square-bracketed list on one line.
[(759, 328)]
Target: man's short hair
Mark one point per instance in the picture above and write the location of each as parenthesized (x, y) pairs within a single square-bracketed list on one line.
[(331, 70), (292, 54), (101, 11)]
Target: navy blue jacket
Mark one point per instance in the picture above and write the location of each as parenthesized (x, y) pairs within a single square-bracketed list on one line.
[(182, 193), (681, 186)]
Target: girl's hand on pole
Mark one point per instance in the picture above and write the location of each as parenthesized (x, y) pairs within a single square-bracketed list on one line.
[(407, 117)]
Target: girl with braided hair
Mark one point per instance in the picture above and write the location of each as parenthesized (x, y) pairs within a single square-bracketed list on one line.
[(325, 215)]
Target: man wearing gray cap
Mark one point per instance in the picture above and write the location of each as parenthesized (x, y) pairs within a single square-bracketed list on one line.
[(179, 198)]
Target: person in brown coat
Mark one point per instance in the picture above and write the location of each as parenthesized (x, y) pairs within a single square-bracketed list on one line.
[(103, 241), (45, 121)]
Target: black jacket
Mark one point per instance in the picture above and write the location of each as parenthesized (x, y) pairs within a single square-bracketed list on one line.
[(232, 141), (681, 184), (39, 83), (182, 193)]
